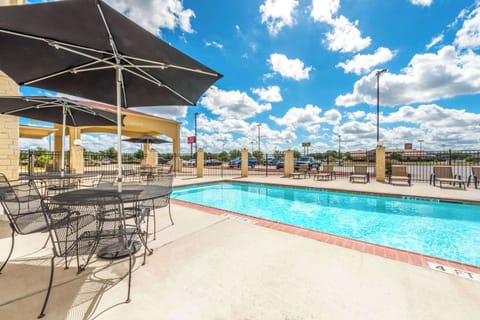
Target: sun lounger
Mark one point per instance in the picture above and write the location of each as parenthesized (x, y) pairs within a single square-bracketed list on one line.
[(474, 176), (302, 171), (444, 174), (399, 173), (326, 173), (360, 173)]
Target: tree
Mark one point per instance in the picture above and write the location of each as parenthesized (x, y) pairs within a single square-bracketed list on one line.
[(235, 154), (258, 155)]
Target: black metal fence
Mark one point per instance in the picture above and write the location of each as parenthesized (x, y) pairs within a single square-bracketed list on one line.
[(419, 163)]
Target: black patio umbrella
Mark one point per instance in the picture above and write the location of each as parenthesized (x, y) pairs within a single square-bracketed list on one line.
[(85, 48), (58, 110), (147, 139)]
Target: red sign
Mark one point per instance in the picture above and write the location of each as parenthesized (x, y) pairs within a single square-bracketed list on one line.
[(191, 139)]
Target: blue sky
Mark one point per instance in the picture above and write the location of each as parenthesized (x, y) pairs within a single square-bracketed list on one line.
[(305, 71)]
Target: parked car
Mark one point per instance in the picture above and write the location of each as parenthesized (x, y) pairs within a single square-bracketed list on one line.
[(279, 164), (310, 161), (190, 163), (162, 160), (106, 161), (237, 163), (213, 162), (269, 161), (89, 162)]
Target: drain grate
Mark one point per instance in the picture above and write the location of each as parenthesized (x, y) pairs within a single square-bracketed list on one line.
[(461, 273)]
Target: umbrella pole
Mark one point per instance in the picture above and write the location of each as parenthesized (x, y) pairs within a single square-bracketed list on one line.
[(119, 128), (62, 160)]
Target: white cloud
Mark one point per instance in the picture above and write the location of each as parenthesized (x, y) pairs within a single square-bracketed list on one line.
[(324, 10), (269, 94), (428, 77), (232, 104), (154, 15), (434, 41), (333, 116), (345, 36), (288, 68), (300, 117), (363, 63), (277, 14), (214, 44), (423, 3), (468, 37)]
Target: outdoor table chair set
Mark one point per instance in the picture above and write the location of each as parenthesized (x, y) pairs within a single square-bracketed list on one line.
[(87, 221), (444, 175)]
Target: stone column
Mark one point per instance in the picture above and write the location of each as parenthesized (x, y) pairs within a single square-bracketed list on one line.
[(9, 132), (244, 164), (75, 164), (200, 157), (380, 164), (288, 164)]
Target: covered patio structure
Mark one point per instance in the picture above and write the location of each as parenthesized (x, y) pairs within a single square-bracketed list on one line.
[(135, 124)]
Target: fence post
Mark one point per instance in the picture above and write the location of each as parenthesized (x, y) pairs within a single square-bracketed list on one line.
[(449, 157), (200, 157), (244, 163), (288, 164)]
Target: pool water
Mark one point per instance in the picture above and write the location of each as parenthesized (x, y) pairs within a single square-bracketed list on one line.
[(440, 229)]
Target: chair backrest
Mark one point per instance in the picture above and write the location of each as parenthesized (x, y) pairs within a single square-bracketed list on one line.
[(303, 167), (476, 171), (164, 180), (399, 171), (360, 170), (107, 179), (327, 168), (444, 172), (22, 205)]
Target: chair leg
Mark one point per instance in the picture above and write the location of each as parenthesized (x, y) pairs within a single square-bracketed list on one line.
[(129, 276), (170, 213), (52, 268), (46, 242), (10, 253)]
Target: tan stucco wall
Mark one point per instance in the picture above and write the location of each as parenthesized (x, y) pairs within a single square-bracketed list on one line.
[(380, 164), (9, 132)]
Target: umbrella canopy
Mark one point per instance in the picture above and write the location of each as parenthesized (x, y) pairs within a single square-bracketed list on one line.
[(147, 139), (86, 48), (59, 110)]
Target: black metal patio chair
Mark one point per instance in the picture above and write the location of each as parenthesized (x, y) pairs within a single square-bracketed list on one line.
[(81, 231), (163, 180), (21, 202)]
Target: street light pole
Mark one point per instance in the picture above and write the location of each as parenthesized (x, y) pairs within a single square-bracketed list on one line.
[(339, 140), (420, 141), (258, 125), (196, 149), (378, 73)]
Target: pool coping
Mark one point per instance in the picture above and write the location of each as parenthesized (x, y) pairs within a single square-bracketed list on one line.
[(440, 264)]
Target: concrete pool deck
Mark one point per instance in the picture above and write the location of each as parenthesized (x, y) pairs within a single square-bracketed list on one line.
[(211, 266)]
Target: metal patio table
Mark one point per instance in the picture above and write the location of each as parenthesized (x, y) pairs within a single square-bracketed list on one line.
[(63, 184), (131, 193)]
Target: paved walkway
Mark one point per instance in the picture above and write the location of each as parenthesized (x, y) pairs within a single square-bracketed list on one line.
[(217, 267)]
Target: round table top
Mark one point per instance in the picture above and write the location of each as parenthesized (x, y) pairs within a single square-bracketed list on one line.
[(130, 192), (57, 175)]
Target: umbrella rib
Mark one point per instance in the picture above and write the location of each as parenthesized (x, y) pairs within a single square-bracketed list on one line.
[(163, 65)]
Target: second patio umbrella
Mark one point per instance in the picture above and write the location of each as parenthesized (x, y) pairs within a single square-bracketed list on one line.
[(58, 110), (86, 48)]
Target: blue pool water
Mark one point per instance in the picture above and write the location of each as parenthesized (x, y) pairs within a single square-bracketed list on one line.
[(440, 229)]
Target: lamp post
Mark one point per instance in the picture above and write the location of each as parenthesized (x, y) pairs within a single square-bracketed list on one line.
[(259, 125), (420, 141), (196, 115), (339, 140), (378, 73)]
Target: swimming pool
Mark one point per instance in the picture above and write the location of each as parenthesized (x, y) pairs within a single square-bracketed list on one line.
[(440, 229)]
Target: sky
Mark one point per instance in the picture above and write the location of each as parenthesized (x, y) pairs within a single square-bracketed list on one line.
[(300, 71)]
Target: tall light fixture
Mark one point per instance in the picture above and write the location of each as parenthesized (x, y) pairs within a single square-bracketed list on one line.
[(259, 125), (196, 149), (339, 140), (378, 73)]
